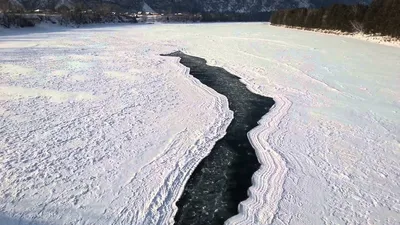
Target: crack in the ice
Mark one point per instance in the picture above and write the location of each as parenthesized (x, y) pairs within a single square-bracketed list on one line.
[(221, 181)]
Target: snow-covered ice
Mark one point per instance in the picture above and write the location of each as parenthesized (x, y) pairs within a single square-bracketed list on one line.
[(97, 128)]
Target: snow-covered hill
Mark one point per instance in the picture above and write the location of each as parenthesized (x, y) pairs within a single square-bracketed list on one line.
[(244, 6)]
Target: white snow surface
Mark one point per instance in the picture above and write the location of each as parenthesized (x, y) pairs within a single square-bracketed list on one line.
[(97, 128)]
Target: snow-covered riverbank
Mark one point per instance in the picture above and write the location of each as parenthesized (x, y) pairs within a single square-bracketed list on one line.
[(97, 128), (385, 40)]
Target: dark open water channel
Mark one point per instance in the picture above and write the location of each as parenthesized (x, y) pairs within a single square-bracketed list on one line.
[(220, 182)]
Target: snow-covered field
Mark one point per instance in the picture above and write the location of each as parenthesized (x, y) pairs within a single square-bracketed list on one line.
[(97, 128)]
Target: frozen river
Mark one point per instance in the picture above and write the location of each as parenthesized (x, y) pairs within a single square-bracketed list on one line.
[(222, 179), (97, 128)]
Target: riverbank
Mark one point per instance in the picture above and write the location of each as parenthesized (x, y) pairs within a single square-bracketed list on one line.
[(23, 20), (375, 38)]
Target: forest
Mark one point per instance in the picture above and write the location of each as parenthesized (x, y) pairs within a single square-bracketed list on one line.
[(380, 17), (234, 17)]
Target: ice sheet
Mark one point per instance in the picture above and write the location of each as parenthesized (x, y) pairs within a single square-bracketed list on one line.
[(329, 149)]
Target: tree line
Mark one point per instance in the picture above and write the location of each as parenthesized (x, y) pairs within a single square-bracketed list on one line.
[(234, 17), (381, 16), (12, 15)]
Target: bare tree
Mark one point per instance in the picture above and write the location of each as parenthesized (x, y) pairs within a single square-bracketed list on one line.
[(358, 27), (355, 9)]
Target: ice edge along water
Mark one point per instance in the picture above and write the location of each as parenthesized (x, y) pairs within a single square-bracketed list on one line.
[(250, 108), (267, 188), (208, 144), (267, 182)]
